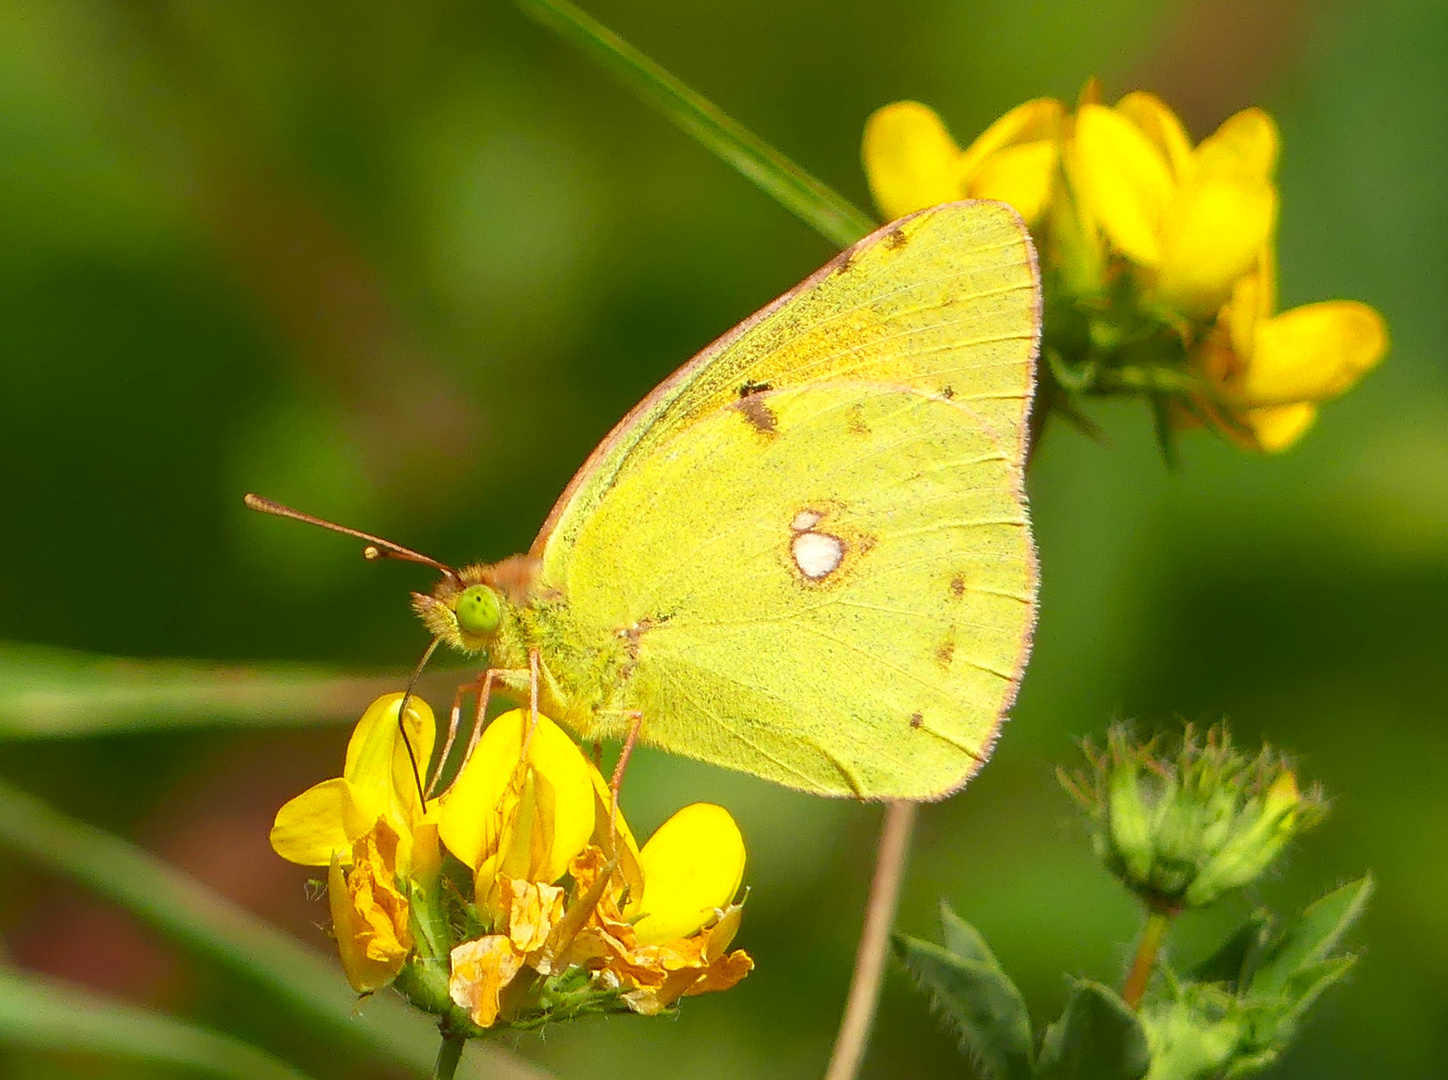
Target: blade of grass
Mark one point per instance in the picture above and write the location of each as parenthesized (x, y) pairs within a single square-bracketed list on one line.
[(817, 205), (39, 1013), (54, 693), (183, 908)]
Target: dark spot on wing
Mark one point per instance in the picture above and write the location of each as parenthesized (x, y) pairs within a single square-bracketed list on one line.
[(947, 392), (867, 542), (945, 654), (857, 422), (760, 416), (896, 238), (957, 586), (752, 387), (916, 720), (847, 262)]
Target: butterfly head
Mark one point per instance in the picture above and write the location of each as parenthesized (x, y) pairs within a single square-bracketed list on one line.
[(475, 608)]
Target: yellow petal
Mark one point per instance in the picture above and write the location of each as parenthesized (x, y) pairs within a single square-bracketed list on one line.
[(480, 971), (311, 828), (1022, 175), (628, 849), (560, 809), (381, 768), (1162, 126), (366, 973), (1035, 121), (911, 161), (1279, 427), (692, 865), (1123, 180), (1244, 148), (1213, 234), (1313, 353)]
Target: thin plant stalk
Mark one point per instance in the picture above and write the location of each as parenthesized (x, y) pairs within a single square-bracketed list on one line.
[(869, 973), (813, 202), (1148, 948)]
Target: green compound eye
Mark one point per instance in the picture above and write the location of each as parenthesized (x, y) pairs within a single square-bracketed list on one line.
[(478, 610)]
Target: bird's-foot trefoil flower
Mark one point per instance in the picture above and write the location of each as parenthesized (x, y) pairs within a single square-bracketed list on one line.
[(519, 895), (372, 831), (1156, 256)]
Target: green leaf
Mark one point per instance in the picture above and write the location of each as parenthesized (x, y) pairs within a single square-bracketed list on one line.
[(1229, 962), (828, 213), (975, 997), (178, 905), (49, 693), (1097, 1038), (1310, 939), (46, 1014)]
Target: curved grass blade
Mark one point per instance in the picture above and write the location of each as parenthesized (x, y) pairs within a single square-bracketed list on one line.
[(38, 1013), (183, 908), (51, 693), (816, 204)]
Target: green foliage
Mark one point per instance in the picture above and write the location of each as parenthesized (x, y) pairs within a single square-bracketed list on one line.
[(46, 1014), (974, 995), (1233, 1015), (1097, 1037), (829, 214), (187, 911)]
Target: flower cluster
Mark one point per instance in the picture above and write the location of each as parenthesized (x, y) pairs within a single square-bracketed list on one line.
[(1180, 830), (1157, 256), (519, 895)]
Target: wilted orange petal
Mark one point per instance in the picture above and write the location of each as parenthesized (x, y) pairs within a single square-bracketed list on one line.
[(480, 971), (534, 908), (723, 973)]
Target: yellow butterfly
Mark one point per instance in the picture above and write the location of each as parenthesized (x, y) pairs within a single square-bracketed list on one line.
[(806, 555)]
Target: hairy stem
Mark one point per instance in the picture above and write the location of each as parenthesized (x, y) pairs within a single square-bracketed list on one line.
[(864, 996), (448, 1055), (1153, 934)]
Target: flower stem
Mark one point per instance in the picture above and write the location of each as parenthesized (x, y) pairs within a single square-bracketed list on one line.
[(448, 1055), (864, 996), (1153, 934)]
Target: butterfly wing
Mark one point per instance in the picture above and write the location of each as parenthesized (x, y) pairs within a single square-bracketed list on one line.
[(830, 586), (946, 300)]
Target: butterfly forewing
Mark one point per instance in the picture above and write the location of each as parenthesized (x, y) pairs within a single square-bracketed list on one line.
[(828, 586), (946, 300)]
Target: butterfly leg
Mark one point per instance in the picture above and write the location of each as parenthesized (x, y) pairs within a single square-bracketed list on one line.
[(483, 687), (636, 721)]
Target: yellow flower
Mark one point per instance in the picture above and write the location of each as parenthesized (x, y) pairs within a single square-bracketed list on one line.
[(912, 162), (1192, 220), (369, 827), (677, 945), (1273, 370), (523, 824), (636, 918)]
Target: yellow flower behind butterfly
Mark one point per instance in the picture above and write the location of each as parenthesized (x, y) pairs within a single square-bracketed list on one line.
[(1157, 255)]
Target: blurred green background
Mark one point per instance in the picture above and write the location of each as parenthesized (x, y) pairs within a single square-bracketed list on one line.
[(403, 265)]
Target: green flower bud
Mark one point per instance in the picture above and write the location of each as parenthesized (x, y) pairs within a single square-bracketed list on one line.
[(1180, 830)]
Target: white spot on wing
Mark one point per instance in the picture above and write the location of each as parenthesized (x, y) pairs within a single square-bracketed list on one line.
[(805, 520), (817, 554)]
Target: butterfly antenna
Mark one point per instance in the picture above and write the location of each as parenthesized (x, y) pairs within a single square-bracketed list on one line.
[(402, 711), (377, 548)]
